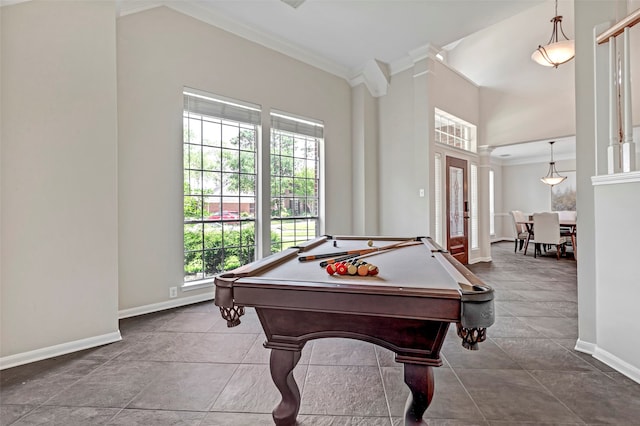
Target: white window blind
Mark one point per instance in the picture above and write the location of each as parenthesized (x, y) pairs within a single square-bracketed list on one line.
[(474, 207), (219, 107), (492, 211), (438, 197), (301, 126)]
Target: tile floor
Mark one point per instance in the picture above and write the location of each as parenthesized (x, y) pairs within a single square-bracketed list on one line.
[(185, 367)]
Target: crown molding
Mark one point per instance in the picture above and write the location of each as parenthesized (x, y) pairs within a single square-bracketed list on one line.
[(375, 76)]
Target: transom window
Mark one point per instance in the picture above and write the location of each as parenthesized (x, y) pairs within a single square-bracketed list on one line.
[(220, 173), (452, 131), (295, 180)]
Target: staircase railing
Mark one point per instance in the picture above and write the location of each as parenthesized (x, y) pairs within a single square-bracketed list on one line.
[(621, 155)]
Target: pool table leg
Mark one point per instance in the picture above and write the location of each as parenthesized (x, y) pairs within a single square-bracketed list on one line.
[(419, 378), (282, 363)]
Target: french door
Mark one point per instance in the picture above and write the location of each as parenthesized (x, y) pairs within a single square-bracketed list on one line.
[(457, 209)]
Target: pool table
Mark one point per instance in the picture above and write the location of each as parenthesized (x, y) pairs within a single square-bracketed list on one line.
[(407, 307)]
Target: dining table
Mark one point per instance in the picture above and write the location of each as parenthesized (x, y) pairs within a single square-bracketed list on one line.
[(569, 224)]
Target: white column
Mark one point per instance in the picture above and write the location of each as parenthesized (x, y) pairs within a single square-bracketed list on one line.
[(628, 147), (484, 235)]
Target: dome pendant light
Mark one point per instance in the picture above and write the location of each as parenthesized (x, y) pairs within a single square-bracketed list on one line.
[(555, 52), (552, 177)]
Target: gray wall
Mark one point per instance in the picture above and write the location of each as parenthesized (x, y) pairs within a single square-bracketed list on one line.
[(59, 178), (159, 52)]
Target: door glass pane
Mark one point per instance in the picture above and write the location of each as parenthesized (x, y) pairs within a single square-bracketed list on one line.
[(456, 200)]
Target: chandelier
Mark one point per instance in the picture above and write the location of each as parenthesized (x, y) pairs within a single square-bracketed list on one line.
[(555, 52), (552, 177)]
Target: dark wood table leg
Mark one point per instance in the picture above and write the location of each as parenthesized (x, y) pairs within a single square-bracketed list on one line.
[(282, 363), (419, 378)]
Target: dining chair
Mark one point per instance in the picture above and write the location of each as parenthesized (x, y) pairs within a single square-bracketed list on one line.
[(520, 232), (546, 227)]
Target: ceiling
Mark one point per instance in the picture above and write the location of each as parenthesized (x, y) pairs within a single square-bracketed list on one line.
[(536, 151), (341, 36)]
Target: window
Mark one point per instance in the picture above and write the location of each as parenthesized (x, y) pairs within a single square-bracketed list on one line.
[(438, 197), (295, 180), (452, 131), (492, 205), (474, 207), (220, 171)]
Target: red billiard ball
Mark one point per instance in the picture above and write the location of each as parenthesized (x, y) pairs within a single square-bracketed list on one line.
[(331, 269), (341, 269)]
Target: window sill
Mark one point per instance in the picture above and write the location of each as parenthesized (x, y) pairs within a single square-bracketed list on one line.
[(197, 285)]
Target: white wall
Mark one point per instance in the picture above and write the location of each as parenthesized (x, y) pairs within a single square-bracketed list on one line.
[(522, 189), (59, 178), (398, 189), (498, 59), (502, 220), (159, 52), (406, 143), (617, 280)]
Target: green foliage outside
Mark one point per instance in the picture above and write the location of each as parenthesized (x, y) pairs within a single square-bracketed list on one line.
[(222, 251), (291, 175), (215, 163)]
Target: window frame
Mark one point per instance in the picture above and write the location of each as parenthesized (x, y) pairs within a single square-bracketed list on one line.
[(225, 167), (300, 130)]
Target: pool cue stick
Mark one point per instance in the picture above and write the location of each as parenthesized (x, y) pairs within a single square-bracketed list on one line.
[(370, 252), (346, 253), (409, 244), (338, 259)]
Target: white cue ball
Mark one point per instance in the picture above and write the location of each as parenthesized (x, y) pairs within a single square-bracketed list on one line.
[(370, 243)]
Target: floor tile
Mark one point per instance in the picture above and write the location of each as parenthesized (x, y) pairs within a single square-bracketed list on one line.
[(68, 416), (512, 327), (113, 385), (513, 395), (35, 384), (343, 352), (343, 390), (251, 389), (489, 355), (193, 322), (11, 413), (237, 419), (184, 386), (183, 366), (529, 309), (541, 354), (552, 327), (594, 396), (450, 401), (156, 418)]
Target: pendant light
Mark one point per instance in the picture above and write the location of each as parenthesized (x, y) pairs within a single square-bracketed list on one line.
[(552, 177), (555, 52)]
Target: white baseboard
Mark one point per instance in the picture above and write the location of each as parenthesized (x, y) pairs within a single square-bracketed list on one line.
[(161, 306), (91, 342), (57, 350), (585, 347), (500, 239), (623, 367), (480, 259)]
